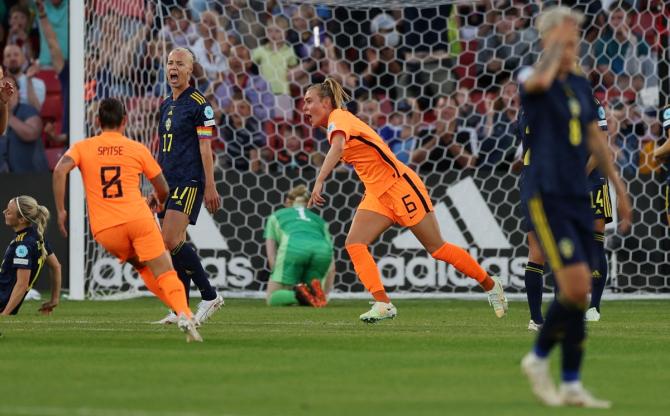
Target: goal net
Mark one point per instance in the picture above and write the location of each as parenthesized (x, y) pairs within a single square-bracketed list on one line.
[(435, 79)]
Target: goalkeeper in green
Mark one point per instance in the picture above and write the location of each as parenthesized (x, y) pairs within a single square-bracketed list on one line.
[(300, 254)]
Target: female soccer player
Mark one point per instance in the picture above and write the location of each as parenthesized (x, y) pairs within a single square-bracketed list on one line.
[(300, 253), (562, 118), (393, 194), (26, 255), (111, 166)]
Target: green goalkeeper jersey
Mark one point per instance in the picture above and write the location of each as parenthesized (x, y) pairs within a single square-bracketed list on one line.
[(305, 248)]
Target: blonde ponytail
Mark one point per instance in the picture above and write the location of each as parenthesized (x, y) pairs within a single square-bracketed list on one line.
[(34, 213), (332, 89)]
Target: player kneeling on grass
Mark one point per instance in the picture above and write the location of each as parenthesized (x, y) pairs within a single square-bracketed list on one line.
[(121, 221), (26, 255), (300, 254)]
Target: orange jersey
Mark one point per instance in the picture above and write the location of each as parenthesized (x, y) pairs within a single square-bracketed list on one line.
[(110, 166), (373, 160)]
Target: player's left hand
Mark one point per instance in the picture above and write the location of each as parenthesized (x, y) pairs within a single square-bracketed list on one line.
[(154, 203), (212, 199), (62, 218), (625, 213), (316, 198), (48, 307)]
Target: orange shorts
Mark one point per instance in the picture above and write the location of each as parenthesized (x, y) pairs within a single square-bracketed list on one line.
[(406, 202), (140, 238)]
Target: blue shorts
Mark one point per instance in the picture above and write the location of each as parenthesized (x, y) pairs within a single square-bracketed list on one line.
[(564, 228), (601, 204), (187, 199)]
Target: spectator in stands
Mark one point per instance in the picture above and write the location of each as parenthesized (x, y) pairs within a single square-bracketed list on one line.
[(243, 139), (428, 55), (400, 131), (61, 67), (178, 30), (624, 130), (274, 59), (442, 148), (497, 150), (295, 155), (19, 30), (383, 68), (25, 151), (6, 92), (619, 50), (242, 79), (246, 18), (207, 49), (506, 48), (56, 12), (33, 90), (301, 33), (369, 112)]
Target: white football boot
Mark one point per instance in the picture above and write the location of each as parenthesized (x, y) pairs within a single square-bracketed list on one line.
[(497, 298), (592, 315), (574, 394), (537, 371), (170, 318), (532, 326), (379, 312), (206, 309), (187, 326)]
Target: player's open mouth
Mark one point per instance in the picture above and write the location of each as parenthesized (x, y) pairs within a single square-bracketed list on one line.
[(174, 77)]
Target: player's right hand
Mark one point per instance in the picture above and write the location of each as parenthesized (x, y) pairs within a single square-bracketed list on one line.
[(154, 203), (47, 307), (316, 198), (212, 199), (62, 219)]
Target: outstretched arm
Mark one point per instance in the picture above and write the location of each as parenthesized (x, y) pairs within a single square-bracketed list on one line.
[(332, 159), (64, 166)]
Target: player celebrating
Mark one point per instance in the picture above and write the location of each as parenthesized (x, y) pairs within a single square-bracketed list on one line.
[(393, 194), (601, 207), (562, 119), (120, 218), (300, 254), (26, 255), (186, 127)]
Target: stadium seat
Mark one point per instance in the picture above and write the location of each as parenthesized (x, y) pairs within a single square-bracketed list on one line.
[(53, 155), (52, 109), (51, 81)]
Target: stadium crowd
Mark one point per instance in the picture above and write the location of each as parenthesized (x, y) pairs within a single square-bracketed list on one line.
[(438, 83)]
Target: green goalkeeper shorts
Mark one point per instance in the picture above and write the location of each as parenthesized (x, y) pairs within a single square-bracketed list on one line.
[(301, 260)]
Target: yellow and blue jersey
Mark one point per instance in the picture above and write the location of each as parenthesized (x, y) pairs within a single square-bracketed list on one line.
[(596, 178), (183, 123), (558, 120), (24, 252), (665, 122)]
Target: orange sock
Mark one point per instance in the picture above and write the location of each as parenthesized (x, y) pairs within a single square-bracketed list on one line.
[(151, 284), (367, 271), (173, 289), (464, 263)]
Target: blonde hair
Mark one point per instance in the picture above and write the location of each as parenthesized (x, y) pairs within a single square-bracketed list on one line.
[(34, 213), (332, 89), (554, 16), (298, 195)]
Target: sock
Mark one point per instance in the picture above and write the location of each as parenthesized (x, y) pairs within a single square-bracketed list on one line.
[(553, 329), (464, 263), (186, 259), (533, 282), (151, 284), (173, 290), (572, 345), (599, 275), (367, 271), (282, 297)]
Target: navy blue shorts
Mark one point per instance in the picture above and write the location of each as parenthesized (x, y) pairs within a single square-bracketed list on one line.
[(564, 228), (601, 204), (187, 199)]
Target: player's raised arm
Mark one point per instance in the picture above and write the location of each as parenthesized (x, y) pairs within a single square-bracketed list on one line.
[(6, 91), (603, 157), (332, 159), (64, 166), (555, 42)]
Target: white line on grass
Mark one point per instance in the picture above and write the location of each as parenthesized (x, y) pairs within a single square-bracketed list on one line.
[(88, 411)]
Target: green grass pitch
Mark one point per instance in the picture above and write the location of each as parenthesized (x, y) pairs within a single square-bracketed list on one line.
[(438, 357)]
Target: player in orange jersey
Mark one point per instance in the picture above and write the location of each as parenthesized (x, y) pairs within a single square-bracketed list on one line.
[(393, 194), (120, 219)]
